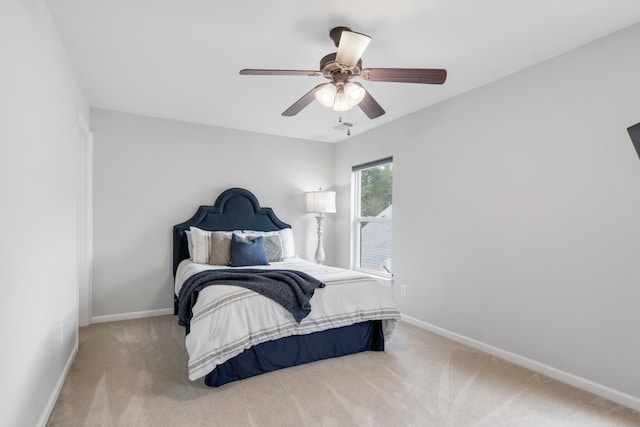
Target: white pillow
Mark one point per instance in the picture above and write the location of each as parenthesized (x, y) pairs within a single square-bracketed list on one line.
[(210, 247), (287, 240), (189, 243)]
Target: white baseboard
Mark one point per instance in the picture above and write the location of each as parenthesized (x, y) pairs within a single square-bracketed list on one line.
[(44, 418), (557, 374), (128, 316)]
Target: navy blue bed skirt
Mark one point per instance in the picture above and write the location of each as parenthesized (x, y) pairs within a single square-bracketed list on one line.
[(297, 350)]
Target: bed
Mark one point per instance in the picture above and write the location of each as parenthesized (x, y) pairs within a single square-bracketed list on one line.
[(234, 333)]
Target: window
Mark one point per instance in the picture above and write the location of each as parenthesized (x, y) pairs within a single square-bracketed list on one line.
[(373, 190)]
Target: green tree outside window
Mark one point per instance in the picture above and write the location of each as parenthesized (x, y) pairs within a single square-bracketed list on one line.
[(376, 189)]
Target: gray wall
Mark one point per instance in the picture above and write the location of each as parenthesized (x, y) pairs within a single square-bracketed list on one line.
[(150, 174), (515, 208), (516, 212), (39, 104)]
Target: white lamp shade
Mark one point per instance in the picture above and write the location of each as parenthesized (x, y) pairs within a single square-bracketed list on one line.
[(341, 103), (340, 98), (326, 95), (321, 201), (354, 93)]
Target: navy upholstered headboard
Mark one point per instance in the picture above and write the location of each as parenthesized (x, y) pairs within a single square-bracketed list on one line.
[(234, 209)]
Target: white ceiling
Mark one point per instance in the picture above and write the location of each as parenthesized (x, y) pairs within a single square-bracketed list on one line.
[(179, 59)]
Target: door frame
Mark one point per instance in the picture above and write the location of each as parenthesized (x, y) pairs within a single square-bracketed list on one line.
[(85, 220)]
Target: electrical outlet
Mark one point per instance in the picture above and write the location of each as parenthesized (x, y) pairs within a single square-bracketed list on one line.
[(403, 290)]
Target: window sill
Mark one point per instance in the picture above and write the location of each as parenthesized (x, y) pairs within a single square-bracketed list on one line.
[(385, 280)]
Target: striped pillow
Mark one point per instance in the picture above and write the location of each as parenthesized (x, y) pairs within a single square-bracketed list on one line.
[(210, 247)]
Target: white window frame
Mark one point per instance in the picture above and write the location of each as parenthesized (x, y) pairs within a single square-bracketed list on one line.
[(356, 220)]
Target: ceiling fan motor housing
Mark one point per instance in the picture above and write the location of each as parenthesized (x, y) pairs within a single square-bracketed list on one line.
[(336, 32), (329, 67)]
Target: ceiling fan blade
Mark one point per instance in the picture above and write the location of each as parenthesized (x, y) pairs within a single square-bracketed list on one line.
[(302, 102), (370, 106), (262, 72), (433, 76), (351, 47)]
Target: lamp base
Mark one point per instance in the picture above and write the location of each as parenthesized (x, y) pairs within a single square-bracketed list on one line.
[(320, 249)]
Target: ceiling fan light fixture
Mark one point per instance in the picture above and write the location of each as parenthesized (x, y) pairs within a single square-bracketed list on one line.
[(354, 93), (341, 103), (326, 95)]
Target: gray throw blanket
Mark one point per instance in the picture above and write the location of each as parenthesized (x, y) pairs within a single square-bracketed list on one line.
[(290, 288)]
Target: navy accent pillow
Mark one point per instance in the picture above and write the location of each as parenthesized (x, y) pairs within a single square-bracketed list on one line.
[(247, 253)]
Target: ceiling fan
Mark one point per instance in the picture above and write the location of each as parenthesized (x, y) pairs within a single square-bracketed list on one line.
[(340, 67)]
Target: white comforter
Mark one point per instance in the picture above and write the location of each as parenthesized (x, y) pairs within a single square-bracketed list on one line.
[(229, 319)]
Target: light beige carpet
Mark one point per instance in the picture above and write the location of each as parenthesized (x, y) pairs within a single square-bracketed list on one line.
[(133, 373)]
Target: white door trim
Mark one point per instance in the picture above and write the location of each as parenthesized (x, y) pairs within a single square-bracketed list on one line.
[(85, 221)]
